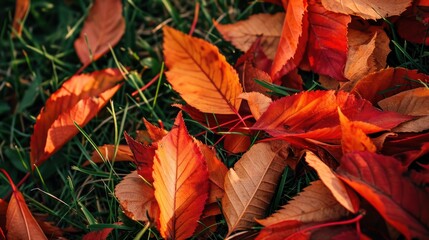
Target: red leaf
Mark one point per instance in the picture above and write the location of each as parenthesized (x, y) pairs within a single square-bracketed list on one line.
[(380, 181), (292, 42), (98, 235), (78, 100), (326, 54), (155, 133), (103, 28), (282, 230), (237, 143), (143, 157), (21, 9), (181, 182), (20, 223)]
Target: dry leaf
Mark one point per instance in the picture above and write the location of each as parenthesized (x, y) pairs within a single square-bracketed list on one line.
[(244, 33), (137, 198), (326, 54), (368, 9), (237, 142), (143, 157), (345, 197), (258, 103), (98, 235), (380, 180), (108, 151), (103, 28), (250, 185), (314, 204), (181, 182), (200, 73), (78, 100), (21, 9), (249, 76)]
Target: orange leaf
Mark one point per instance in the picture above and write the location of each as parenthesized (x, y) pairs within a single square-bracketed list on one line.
[(20, 223), (137, 198), (103, 28), (181, 182), (326, 54), (342, 194), (108, 151), (385, 83), (78, 100), (353, 138), (155, 133), (258, 103), (98, 234), (200, 73), (380, 180), (368, 9), (314, 204), (250, 185), (21, 9), (244, 33), (143, 157), (237, 143), (293, 38)]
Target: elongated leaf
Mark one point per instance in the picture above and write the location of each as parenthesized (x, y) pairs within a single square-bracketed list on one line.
[(380, 181), (413, 102), (137, 198), (78, 100), (200, 73), (20, 223), (250, 186), (244, 33), (103, 28), (181, 182), (368, 9), (315, 204), (340, 192), (108, 151), (293, 39), (326, 54), (21, 9)]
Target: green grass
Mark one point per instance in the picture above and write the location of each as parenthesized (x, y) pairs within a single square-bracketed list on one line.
[(34, 66)]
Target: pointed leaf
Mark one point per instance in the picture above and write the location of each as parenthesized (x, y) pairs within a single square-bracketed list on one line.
[(250, 185), (103, 28), (78, 100), (340, 192), (368, 9), (181, 182), (143, 157), (326, 54), (258, 103), (289, 52), (200, 73), (137, 198), (155, 132), (314, 204), (21, 9), (242, 34), (380, 181)]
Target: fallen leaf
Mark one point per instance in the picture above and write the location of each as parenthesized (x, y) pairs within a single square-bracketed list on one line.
[(413, 102), (380, 181), (360, 62), (327, 55), (282, 230), (20, 223), (315, 204), (78, 100), (258, 103), (250, 185), (242, 34), (249, 76), (3, 210), (256, 56), (200, 73), (103, 28), (21, 10), (181, 182), (293, 39), (368, 9), (237, 142), (49, 228), (417, 33), (155, 133), (98, 235), (340, 192), (108, 151), (143, 157), (137, 198), (385, 83), (353, 138)]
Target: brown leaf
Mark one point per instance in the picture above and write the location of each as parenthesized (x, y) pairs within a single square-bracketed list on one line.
[(78, 100), (103, 28), (21, 10), (380, 181), (137, 198), (314, 204), (250, 74), (368, 9), (242, 34), (200, 73), (181, 182), (340, 192), (250, 185), (258, 103)]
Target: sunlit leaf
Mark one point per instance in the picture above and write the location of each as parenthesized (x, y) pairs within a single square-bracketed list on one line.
[(21, 9)]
